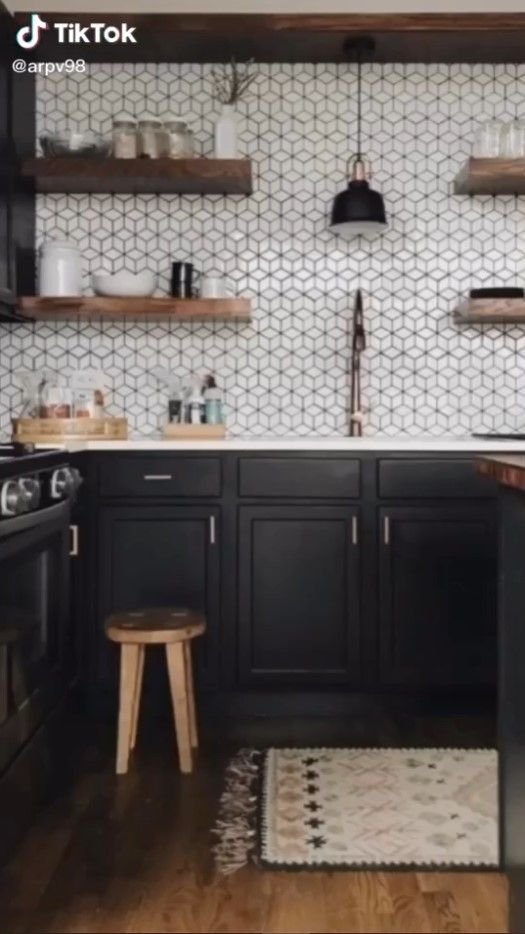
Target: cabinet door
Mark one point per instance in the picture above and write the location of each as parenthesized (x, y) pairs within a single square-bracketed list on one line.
[(7, 165), (299, 595), (438, 569), (156, 556)]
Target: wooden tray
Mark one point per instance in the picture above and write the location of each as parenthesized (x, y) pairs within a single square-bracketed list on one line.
[(176, 431), (48, 430)]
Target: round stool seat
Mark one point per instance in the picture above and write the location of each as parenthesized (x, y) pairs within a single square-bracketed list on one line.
[(155, 626)]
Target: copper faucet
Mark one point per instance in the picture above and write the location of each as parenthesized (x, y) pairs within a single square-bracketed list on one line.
[(358, 345)]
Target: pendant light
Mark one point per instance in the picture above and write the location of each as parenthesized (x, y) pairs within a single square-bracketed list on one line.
[(359, 209)]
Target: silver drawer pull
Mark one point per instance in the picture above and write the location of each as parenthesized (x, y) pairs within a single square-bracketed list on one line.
[(386, 530), (355, 531), (213, 538), (158, 476), (73, 551)]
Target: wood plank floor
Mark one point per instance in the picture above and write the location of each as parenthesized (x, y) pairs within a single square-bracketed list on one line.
[(132, 855)]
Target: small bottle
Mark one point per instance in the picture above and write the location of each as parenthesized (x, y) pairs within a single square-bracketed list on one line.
[(196, 405), (174, 407), (212, 402)]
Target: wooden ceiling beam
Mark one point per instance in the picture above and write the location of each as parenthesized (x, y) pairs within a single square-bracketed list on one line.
[(402, 37)]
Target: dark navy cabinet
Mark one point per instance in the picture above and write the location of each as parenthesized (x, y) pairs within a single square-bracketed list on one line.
[(160, 556), (438, 585), (317, 571), (299, 595), (17, 198)]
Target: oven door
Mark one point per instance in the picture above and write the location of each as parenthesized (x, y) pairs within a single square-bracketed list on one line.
[(34, 616)]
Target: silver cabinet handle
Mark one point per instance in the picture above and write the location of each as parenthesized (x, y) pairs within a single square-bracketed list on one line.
[(355, 531), (73, 551), (158, 476), (386, 530), (212, 530)]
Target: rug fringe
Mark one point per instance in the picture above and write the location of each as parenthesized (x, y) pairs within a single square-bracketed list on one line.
[(235, 824)]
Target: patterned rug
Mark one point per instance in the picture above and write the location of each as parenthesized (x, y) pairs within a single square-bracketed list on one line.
[(360, 808)]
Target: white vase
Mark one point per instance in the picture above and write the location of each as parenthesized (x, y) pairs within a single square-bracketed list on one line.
[(226, 133)]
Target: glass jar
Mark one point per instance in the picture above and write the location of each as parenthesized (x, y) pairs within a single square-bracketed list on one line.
[(488, 143), (513, 143), (60, 269), (124, 139), (151, 139), (180, 143)]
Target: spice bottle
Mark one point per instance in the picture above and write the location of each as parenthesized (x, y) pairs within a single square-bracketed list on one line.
[(213, 411)]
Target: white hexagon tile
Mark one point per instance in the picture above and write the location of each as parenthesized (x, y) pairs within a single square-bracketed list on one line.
[(287, 372)]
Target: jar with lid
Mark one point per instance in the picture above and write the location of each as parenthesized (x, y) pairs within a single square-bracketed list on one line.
[(124, 138), (179, 138), (151, 138), (60, 271)]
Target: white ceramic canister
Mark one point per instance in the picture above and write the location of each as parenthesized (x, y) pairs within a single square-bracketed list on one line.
[(60, 270), (226, 131)]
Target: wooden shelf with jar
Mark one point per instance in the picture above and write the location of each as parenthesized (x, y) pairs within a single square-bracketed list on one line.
[(98, 308), (493, 176), (76, 175)]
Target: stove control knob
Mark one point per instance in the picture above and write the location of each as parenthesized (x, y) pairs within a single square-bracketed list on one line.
[(33, 490), (63, 483), (14, 500)]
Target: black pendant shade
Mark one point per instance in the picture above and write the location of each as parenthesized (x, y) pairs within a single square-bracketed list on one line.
[(359, 209)]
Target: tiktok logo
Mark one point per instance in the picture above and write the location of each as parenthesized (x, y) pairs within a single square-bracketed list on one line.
[(29, 36)]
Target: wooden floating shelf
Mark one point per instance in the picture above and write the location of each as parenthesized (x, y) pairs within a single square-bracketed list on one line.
[(136, 176), (491, 311), (98, 308), (491, 177)]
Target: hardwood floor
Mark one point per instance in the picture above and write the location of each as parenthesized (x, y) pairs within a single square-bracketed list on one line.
[(131, 854)]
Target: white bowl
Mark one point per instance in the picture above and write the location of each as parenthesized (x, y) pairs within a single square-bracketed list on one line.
[(124, 284)]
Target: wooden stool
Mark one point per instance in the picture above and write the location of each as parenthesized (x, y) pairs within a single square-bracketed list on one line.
[(173, 628)]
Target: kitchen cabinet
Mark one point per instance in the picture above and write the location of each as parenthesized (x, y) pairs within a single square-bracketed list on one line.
[(7, 168), (160, 556), (17, 200), (299, 602), (437, 595), (367, 575)]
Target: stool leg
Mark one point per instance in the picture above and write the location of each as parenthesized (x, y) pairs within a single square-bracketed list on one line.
[(191, 695), (129, 659), (179, 697), (136, 699)]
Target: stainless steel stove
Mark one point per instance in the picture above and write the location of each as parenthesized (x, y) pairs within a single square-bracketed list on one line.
[(32, 480), (36, 492)]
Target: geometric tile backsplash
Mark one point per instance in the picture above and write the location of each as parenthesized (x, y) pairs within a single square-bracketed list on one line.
[(287, 371)]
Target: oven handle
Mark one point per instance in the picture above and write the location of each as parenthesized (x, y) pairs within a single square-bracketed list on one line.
[(33, 520)]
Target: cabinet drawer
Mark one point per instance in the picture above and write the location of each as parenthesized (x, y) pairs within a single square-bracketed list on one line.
[(300, 477), (453, 478), (161, 475)]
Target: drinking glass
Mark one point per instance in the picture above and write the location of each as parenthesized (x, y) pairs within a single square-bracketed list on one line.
[(488, 140), (513, 140)]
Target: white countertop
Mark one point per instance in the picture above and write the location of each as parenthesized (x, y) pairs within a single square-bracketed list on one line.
[(373, 443)]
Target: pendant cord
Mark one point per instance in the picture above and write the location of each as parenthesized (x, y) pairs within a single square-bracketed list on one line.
[(359, 65)]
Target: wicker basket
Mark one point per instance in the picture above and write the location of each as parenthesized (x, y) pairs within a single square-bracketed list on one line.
[(58, 430)]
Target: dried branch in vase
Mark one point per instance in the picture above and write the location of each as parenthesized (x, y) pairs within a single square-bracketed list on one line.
[(232, 80)]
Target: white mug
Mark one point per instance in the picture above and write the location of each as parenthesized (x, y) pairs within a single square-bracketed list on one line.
[(214, 287)]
